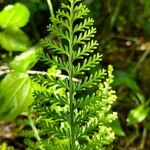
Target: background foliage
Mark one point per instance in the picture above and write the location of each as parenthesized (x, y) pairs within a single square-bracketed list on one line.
[(123, 31)]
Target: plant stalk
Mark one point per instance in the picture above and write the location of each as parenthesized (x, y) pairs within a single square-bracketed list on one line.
[(50, 7), (143, 57), (71, 93), (142, 144), (114, 16), (34, 129)]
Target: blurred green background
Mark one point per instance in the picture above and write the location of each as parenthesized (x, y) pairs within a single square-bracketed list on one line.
[(123, 31)]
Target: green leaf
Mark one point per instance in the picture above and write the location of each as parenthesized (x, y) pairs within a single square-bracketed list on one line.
[(14, 39), (15, 95), (14, 16), (147, 125), (126, 79), (138, 114), (116, 127), (25, 60)]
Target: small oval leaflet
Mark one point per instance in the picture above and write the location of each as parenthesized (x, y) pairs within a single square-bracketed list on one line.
[(16, 15)]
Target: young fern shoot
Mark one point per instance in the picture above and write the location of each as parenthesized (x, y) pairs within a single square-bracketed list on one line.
[(74, 114)]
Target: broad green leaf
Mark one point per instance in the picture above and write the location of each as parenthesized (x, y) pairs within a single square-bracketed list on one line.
[(25, 60), (15, 95), (14, 39), (116, 127), (138, 114), (14, 16)]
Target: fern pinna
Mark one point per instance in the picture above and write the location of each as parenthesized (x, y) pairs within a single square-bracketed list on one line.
[(75, 111)]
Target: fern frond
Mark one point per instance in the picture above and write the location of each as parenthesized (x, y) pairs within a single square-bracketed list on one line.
[(33, 145), (55, 46), (89, 126), (27, 133), (64, 14), (61, 22), (83, 25), (54, 61), (90, 81), (64, 65), (83, 37), (56, 31), (44, 57), (80, 11), (84, 102), (60, 83), (71, 114), (85, 50), (87, 64)]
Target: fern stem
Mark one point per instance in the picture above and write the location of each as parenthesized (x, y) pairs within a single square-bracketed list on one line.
[(71, 94), (71, 98), (50, 8)]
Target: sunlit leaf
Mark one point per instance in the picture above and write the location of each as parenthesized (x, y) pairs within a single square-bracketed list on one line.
[(138, 114), (14, 39), (15, 95), (14, 16), (25, 60)]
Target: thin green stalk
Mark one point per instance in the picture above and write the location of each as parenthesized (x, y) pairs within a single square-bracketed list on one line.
[(34, 129), (71, 94), (50, 7), (142, 144), (132, 138), (113, 18), (143, 57)]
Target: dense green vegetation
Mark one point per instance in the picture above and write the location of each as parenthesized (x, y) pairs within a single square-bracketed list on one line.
[(123, 34)]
